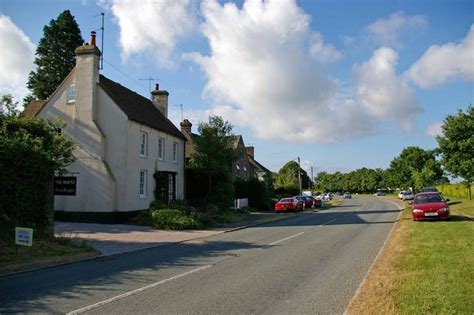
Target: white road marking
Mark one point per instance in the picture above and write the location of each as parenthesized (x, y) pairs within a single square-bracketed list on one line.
[(286, 238), (126, 294)]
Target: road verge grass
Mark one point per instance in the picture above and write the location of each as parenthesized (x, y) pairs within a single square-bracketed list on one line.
[(43, 253), (425, 268)]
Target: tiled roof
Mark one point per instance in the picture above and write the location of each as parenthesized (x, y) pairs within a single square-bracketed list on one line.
[(258, 165), (138, 108), (33, 108)]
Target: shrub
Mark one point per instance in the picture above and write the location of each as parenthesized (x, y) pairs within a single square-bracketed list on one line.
[(454, 190), (173, 219)]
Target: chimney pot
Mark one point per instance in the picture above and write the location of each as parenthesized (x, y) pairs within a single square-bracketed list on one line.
[(157, 87), (92, 40)]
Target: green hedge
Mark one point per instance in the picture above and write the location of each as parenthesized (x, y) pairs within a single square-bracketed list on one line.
[(173, 219), (454, 190)]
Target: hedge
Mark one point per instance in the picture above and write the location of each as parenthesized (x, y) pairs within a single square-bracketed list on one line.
[(454, 190)]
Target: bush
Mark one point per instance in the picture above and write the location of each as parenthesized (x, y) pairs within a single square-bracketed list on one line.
[(173, 219), (454, 190)]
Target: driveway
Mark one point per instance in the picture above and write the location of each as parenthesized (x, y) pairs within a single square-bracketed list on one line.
[(112, 239)]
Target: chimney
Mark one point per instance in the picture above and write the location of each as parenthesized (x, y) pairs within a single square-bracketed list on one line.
[(160, 99), (186, 126), (250, 151), (92, 40)]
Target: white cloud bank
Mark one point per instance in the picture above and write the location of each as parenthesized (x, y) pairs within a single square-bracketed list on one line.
[(16, 59), (382, 93), (259, 67), (434, 129), (153, 27), (387, 32), (441, 63), (321, 51)]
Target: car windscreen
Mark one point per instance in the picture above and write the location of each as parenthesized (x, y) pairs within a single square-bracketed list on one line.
[(428, 199), (286, 200)]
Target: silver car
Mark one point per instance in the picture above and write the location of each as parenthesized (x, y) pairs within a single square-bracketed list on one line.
[(408, 195)]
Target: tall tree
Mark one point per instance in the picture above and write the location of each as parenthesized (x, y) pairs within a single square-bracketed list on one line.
[(214, 155), (456, 145), (54, 55), (288, 176)]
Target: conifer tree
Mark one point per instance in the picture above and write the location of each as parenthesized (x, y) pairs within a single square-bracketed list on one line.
[(55, 55)]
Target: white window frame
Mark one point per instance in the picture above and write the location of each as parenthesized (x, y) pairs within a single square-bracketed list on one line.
[(143, 144), (71, 93), (161, 149), (142, 187), (175, 152)]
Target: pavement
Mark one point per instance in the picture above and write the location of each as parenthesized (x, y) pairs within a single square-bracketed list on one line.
[(112, 239)]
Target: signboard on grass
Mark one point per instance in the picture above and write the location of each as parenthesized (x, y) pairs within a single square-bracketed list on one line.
[(23, 236)]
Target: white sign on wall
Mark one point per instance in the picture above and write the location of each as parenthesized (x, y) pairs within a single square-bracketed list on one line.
[(23, 236)]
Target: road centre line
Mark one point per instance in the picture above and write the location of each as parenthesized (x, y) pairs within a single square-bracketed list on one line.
[(286, 238), (133, 292)]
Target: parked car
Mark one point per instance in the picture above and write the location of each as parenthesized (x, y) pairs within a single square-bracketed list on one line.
[(307, 201), (429, 189), (429, 206), (347, 195), (317, 202), (400, 194), (408, 195), (288, 204), (380, 192)]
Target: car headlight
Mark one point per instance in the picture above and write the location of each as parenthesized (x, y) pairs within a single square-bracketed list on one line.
[(444, 209), (417, 210)]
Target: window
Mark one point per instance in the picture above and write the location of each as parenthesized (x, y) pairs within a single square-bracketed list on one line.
[(71, 93), (143, 144), (143, 181), (166, 186), (161, 148), (175, 152)]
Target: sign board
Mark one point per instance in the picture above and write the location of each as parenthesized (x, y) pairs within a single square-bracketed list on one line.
[(23, 236), (65, 185)]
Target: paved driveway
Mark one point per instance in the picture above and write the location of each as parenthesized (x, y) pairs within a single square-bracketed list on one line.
[(112, 239)]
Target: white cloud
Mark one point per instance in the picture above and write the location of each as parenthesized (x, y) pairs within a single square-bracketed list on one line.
[(434, 129), (16, 59), (387, 32), (442, 63), (321, 51), (382, 93), (153, 27), (260, 69)]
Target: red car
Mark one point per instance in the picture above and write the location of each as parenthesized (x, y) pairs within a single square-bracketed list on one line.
[(430, 205), (288, 204)]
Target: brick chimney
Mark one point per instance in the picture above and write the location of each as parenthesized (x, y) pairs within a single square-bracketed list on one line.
[(186, 126), (250, 151), (160, 99)]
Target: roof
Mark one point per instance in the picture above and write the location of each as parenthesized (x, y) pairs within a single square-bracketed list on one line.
[(138, 108), (258, 165), (33, 108)]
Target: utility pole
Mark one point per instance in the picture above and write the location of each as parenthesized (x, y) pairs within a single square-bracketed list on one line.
[(299, 175), (312, 178)]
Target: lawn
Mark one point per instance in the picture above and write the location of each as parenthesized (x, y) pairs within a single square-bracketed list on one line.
[(426, 267), (43, 253)]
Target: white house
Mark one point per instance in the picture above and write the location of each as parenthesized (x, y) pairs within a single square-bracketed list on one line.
[(122, 139)]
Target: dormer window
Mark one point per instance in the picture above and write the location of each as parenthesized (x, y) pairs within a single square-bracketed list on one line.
[(71, 94)]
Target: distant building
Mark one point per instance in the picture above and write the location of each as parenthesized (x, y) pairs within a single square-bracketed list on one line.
[(122, 141)]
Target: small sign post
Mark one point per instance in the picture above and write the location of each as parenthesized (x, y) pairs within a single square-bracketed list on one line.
[(23, 237), (65, 185)]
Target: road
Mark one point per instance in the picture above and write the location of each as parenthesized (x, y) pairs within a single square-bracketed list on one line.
[(312, 263)]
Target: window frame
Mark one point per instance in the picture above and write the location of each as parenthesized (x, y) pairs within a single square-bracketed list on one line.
[(161, 153), (175, 151), (143, 144), (142, 186), (71, 93)]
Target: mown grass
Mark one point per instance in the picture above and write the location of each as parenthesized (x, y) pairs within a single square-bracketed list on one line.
[(43, 253), (426, 267), (437, 264)]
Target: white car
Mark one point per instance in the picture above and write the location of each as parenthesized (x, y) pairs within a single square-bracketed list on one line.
[(408, 195), (400, 195)]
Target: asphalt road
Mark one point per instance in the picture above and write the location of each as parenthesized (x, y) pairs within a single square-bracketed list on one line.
[(312, 263)]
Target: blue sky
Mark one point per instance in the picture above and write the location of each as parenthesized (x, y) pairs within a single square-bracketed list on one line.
[(341, 84)]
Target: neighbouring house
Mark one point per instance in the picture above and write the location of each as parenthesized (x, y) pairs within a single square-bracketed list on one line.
[(256, 169), (244, 167), (127, 150)]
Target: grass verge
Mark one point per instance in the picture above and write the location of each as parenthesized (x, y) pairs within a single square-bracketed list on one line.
[(425, 268), (43, 253)]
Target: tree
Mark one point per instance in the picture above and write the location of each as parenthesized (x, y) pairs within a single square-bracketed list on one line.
[(31, 151), (456, 145), (414, 168), (287, 177), (55, 56), (213, 157)]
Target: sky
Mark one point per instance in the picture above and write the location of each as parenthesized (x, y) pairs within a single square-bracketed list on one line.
[(340, 84)]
